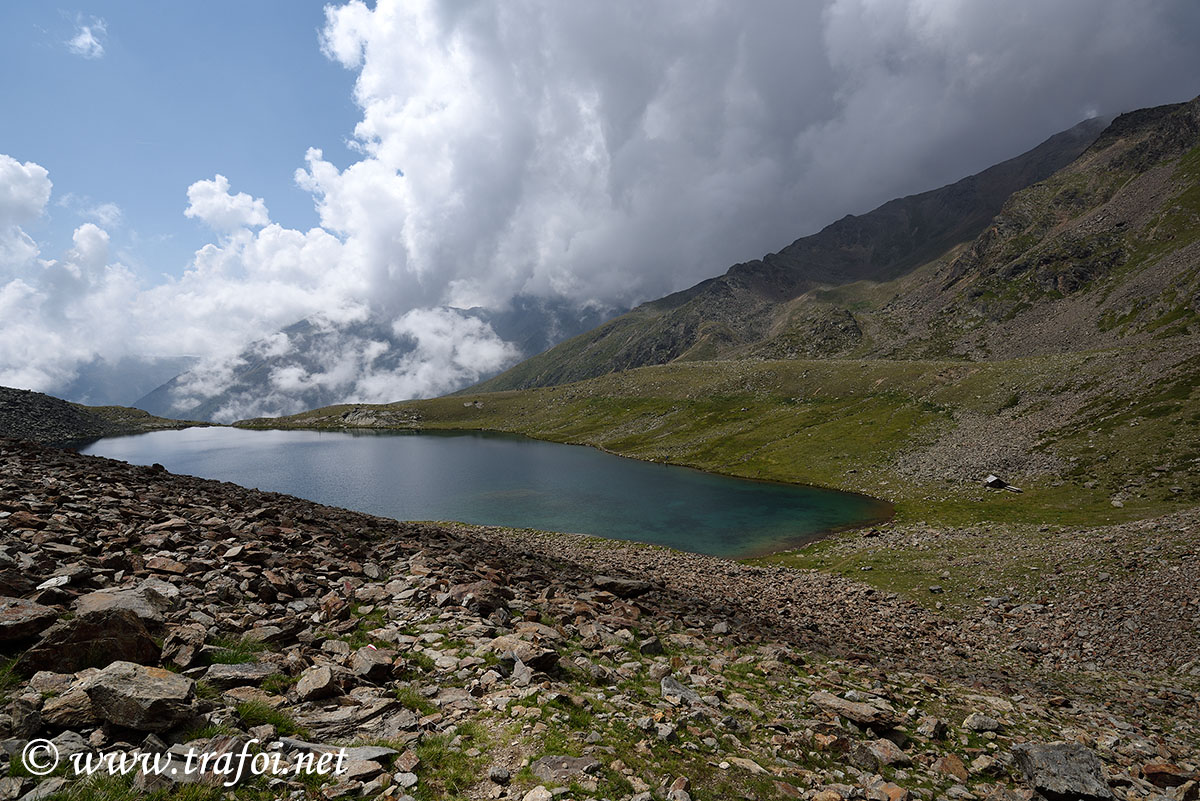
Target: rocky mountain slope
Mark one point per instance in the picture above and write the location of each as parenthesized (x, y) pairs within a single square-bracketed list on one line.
[(25, 414), (157, 613), (1102, 253), (1106, 253), (746, 304)]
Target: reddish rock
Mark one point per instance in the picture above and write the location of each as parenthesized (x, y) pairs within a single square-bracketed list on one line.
[(785, 790), (166, 565), (951, 765), (1165, 774), (886, 791)]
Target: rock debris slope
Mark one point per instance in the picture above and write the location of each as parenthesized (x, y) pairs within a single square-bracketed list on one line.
[(149, 611), (25, 414)]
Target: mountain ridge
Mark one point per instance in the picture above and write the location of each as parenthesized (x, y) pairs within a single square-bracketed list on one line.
[(736, 306)]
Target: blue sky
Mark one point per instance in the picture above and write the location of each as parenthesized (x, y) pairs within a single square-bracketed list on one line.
[(181, 92)]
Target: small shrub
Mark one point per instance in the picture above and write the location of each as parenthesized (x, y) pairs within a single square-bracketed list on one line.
[(278, 683), (206, 691), (422, 661)]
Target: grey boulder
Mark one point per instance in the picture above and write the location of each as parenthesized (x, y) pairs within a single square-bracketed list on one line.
[(562, 769), (139, 697), (91, 640), (1063, 771), (149, 600)]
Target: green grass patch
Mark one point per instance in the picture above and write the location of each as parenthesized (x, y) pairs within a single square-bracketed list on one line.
[(256, 713), (208, 732), (411, 699), (206, 691), (235, 651), (424, 662), (120, 788), (446, 771), (278, 683), (577, 717)]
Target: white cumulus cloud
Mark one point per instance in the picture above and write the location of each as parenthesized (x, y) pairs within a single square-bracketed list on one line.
[(24, 192), (213, 203), (613, 153), (451, 350), (65, 312)]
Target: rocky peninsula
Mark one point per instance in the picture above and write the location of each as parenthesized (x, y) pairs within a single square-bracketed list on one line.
[(25, 414)]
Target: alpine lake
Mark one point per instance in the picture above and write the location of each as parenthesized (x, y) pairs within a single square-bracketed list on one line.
[(507, 480)]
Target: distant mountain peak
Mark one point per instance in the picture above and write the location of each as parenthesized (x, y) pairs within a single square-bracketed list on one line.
[(319, 362)]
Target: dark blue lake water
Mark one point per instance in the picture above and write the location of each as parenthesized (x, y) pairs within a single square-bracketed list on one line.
[(506, 480)]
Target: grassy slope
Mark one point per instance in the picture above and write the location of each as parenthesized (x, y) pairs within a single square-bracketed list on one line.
[(135, 421), (843, 424)]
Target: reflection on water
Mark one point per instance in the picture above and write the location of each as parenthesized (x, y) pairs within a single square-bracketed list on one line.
[(512, 494)]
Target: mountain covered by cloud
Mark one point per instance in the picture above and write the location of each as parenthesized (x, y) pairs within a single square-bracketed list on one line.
[(316, 362), (586, 156)]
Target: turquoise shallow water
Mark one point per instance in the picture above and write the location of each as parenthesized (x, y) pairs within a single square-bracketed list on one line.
[(500, 479)]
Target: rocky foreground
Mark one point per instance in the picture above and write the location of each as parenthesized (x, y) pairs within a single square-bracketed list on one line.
[(150, 613)]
